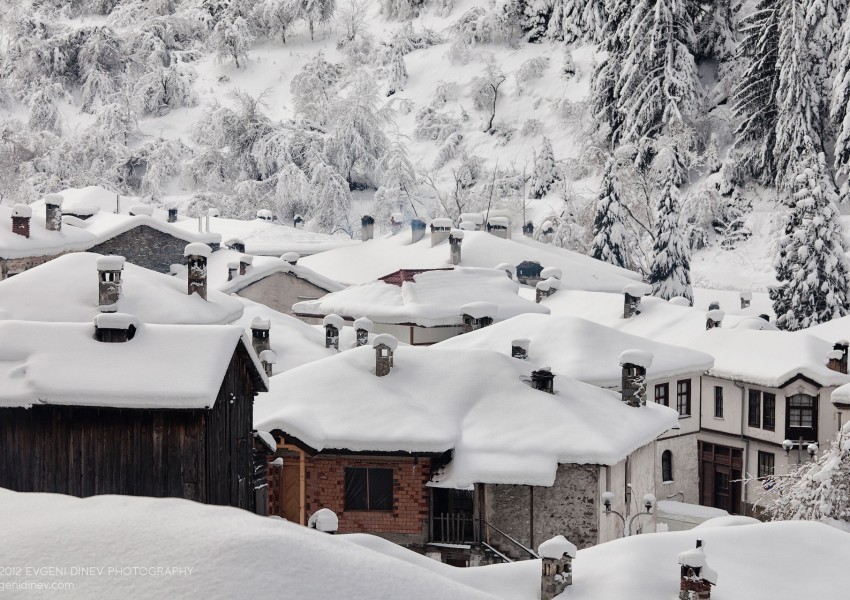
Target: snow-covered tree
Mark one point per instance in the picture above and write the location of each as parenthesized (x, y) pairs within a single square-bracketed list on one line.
[(292, 193), (575, 21), (312, 88), (277, 16), (715, 33), (398, 73), (535, 22), (609, 232), (163, 162), (44, 110), (485, 92), (670, 270), (811, 267), (839, 113), (401, 10), (164, 89), (545, 171), (316, 12), (231, 39), (332, 199)]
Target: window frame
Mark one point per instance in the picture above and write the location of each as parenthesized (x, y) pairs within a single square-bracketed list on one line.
[(810, 410), (718, 401), (667, 466), (683, 395), (349, 472), (766, 461), (768, 411), (754, 408), (666, 396)]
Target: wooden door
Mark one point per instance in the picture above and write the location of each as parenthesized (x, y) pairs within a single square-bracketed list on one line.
[(290, 492)]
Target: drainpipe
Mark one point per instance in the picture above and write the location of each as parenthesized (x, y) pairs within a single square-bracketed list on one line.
[(531, 515), (746, 446)]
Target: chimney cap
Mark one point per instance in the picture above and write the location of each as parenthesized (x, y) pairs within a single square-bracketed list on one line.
[(843, 343), (231, 242), (233, 264), (746, 295), (468, 226), (499, 222), (22, 210), (334, 320), (290, 257), (115, 321), (417, 224), (479, 310), (523, 343), (715, 315), (637, 289), (548, 284), (474, 218), (212, 211), (268, 356), (548, 272), (556, 548), (385, 339), (397, 218), (112, 262), (140, 209), (363, 323), (261, 324), (639, 358), (456, 234), (367, 220), (835, 354), (265, 214), (197, 249), (54, 199), (248, 259)]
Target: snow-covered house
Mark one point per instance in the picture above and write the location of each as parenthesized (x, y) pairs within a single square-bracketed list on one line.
[(70, 287), (425, 306), (458, 447), (590, 352), (123, 407)]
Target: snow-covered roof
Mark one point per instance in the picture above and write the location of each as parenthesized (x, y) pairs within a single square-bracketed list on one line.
[(375, 258), (472, 401), (223, 552), (266, 238), (66, 289), (432, 299), (580, 349), (163, 366), (751, 561)]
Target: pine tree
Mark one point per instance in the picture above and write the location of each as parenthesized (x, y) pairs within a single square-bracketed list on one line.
[(603, 85), (670, 270), (398, 73), (609, 231), (811, 267), (545, 172), (839, 113), (575, 21), (715, 38)]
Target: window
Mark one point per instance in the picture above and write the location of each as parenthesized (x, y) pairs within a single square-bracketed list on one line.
[(662, 394), (718, 402), (754, 419), (801, 410), (683, 397), (769, 412), (766, 462), (368, 489), (667, 466)]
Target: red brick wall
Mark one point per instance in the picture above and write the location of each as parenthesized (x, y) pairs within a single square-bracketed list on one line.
[(326, 489)]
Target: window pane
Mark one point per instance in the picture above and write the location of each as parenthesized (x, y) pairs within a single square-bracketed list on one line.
[(667, 465), (769, 421), (355, 489), (718, 401), (754, 419), (661, 394), (766, 464), (683, 397), (380, 489)]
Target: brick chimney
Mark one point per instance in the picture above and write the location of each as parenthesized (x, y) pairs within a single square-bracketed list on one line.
[(557, 555), (197, 255), (260, 340), (298, 222), (634, 364), (713, 318), (367, 228), (455, 240), (543, 379), (837, 357), (519, 348), (268, 358), (290, 257), (396, 222), (632, 294), (333, 326), (21, 215), (232, 270), (696, 577), (417, 230), (362, 329), (236, 245), (172, 215), (53, 212), (746, 298), (115, 328), (440, 230), (384, 345), (546, 288), (245, 261), (476, 315), (109, 282)]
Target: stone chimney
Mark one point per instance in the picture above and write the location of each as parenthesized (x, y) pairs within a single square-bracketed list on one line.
[(634, 364), (713, 318), (298, 222), (417, 230), (362, 329), (746, 298), (232, 270), (546, 288), (21, 215), (632, 294), (499, 226), (245, 261), (557, 555), (333, 326), (396, 222), (384, 345), (367, 228), (53, 212), (528, 229), (519, 348), (440, 230), (236, 245), (109, 282), (115, 328), (543, 379), (837, 357), (268, 358), (197, 255), (476, 315), (260, 340), (507, 268), (172, 215), (455, 240), (696, 576), (290, 257)]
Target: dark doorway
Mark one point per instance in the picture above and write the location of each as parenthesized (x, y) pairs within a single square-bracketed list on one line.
[(720, 469), (451, 516)]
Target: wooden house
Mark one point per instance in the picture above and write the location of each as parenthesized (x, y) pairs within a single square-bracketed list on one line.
[(120, 407)]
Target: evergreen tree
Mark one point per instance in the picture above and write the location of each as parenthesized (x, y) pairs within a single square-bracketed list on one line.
[(603, 85), (609, 231), (670, 270), (575, 21), (398, 73), (839, 113), (811, 267), (545, 172)]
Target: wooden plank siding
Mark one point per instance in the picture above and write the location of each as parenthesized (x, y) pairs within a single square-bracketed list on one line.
[(197, 454)]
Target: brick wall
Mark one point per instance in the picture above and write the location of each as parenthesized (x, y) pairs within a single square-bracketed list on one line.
[(146, 247)]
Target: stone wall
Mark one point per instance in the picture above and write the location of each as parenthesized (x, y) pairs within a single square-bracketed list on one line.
[(569, 507), (685, 469), (13, 266), (146, 247), (280, 291)]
